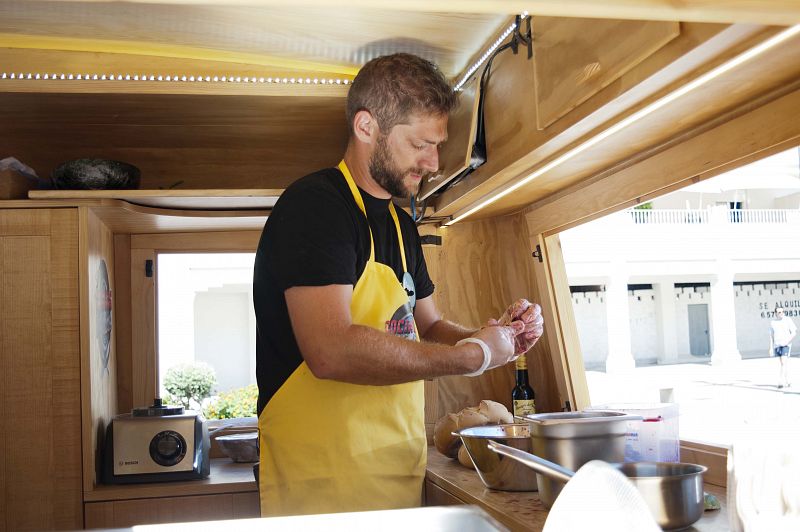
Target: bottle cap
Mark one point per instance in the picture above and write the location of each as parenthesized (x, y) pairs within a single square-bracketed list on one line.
[(522, 362)]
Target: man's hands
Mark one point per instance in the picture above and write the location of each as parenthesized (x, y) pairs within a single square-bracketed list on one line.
[(500, 340), (530, 316)]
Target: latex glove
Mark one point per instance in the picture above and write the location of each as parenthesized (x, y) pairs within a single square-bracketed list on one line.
[(501, 342), (530, 314)]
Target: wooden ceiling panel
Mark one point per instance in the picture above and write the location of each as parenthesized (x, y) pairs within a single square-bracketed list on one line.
[(325, 36)]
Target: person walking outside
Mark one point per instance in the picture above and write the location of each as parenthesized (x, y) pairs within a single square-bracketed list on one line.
[(782, 331)]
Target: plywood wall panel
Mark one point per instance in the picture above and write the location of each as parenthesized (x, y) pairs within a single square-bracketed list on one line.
[(101, 379), (482, 268), (28, 379), (143, 329), (122, 322), (40, 458), (20, 222), (66, 474), (125, 513), (455, 154), (575, 58)]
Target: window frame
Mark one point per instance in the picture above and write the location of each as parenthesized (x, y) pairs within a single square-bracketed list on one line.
[(736, 139), (143, 375)]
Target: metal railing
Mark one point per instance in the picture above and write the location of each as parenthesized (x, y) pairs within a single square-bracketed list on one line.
[(704, 216), (669, 216), (762, 216)]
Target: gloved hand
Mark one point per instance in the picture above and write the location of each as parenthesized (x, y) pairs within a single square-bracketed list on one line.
[(500, 340), (530, 314)]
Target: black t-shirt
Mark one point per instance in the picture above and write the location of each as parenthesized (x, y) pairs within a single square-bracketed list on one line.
[(317, 236)]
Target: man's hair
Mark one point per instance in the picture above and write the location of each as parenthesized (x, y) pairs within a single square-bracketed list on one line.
[(392, 87)]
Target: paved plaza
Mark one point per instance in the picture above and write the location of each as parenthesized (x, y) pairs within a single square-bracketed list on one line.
[(718, 403)]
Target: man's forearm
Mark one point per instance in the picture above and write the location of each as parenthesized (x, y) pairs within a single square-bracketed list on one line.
[(362, 355), (446, 332)]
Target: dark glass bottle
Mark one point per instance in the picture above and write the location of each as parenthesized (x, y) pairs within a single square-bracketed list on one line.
[(522, 396)]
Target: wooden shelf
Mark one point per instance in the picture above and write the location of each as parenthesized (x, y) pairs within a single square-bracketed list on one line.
[(127, 217), (226, 477), (209, 199)]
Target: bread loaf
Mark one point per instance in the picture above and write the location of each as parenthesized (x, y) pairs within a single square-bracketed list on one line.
[(464, 458), (472, 416), (443, 438)]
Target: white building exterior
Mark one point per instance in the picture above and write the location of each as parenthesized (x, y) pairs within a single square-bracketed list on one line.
[(699, 274), (205, 314)]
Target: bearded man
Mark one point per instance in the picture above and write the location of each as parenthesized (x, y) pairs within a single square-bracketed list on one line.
[(342, 297)]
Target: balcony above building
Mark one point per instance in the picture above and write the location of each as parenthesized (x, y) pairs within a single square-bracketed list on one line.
[(687, 244)]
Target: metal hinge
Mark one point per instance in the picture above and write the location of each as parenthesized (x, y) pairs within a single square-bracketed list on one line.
[(148, 268), (537, 253), (430, 240)]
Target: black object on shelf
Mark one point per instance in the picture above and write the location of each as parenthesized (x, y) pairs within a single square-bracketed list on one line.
[(96, 174)]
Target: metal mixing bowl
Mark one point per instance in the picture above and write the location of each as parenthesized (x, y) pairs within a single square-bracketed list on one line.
[(673, 492), (496, 471)]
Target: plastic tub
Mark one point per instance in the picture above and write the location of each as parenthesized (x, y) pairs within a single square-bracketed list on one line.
[(655, 437)]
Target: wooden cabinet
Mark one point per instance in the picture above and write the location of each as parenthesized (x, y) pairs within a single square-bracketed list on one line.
[(171, 510), (58, 384), (230, 492), (40, 462), (436, 496)]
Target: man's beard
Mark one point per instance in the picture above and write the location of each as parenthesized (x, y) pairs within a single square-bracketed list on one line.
[(386, 173)]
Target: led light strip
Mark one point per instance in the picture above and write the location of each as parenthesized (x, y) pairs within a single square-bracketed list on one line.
[(638, 115), (488, 53), (171, 78)]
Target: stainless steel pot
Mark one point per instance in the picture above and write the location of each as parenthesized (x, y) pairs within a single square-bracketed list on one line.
[(673, 491), (574, 438)]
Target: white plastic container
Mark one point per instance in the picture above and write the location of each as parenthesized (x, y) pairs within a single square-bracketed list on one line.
[(655, 438)]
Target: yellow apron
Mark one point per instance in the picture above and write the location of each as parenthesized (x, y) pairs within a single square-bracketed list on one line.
[(329, 446)]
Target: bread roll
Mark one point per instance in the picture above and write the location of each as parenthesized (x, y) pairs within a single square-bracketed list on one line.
[(470, 417), (508, 417), (443, 439), (464, 458), (495, 412)]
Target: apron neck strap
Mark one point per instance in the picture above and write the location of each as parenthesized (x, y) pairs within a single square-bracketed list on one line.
[(360, 202), (399, 235)]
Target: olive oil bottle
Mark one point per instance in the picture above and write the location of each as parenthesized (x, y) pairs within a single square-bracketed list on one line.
[(522, 396)]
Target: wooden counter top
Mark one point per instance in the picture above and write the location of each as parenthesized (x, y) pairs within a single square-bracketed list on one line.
[(523, 511), (225, 477)]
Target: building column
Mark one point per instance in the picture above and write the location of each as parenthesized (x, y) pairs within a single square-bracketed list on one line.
[(620, 358), (723, 317), (665, 320)]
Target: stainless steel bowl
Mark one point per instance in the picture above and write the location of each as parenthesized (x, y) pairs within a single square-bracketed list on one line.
[(672, 491), (496, 471), (571, 439)]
